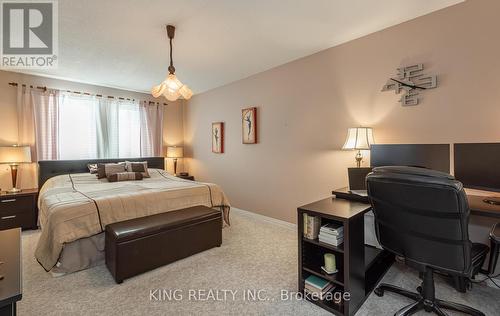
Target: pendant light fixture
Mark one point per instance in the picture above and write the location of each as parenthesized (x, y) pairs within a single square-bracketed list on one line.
[(171, 87)]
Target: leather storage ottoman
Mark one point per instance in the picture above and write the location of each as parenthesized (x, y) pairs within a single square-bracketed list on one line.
[(143, 244)]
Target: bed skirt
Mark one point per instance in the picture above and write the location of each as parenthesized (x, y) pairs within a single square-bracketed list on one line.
[(80, 254)]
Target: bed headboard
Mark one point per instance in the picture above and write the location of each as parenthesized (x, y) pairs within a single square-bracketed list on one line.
[(51, 168)]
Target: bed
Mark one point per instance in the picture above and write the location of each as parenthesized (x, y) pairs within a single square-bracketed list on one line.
[(75, 207)]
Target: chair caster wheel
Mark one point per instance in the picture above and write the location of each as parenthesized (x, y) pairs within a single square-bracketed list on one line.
[(419, 289), (379, 292)]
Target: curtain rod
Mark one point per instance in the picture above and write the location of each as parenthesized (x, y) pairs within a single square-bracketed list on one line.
[(44, 88)]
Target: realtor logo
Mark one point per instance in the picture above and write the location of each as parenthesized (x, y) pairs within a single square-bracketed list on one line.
[(29, 31)]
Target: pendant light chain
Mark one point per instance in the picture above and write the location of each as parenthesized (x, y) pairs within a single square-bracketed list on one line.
[(171, 68)]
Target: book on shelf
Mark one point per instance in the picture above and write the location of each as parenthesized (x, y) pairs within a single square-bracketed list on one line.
[(317, 282), (317, 287), (332, 228), (331, 241), (305, 223), (311, 226), (313, 292), (312, 289)]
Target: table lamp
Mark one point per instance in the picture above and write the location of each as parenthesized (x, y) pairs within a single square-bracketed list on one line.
[(175, 152), (359, 138), (14, 156)]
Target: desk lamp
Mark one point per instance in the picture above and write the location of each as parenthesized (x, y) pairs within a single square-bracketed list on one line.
[(358, 138), (14, 156), (175, 152)]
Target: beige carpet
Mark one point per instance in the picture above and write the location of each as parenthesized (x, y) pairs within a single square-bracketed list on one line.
[(255, 255)]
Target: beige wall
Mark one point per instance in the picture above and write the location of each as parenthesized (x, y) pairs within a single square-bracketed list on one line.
[(172, 133), (306, 106)]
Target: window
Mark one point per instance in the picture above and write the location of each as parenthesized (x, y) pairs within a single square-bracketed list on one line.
[(129, 130), (92, 127), (77, 127), (80, 126)]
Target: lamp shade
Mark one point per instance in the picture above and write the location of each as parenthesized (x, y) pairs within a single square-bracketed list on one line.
[(15, 154), (359, 138), (175, 152)]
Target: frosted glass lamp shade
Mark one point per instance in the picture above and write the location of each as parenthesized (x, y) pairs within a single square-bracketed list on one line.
[(186, 92), (15, 154), (359, 138), (158, 90), (172, 89), (173, 83), (175, 152), (171, 95)]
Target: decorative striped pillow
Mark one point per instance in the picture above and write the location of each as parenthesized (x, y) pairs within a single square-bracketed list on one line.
[(124, 176), (106, 169), (141, 167)]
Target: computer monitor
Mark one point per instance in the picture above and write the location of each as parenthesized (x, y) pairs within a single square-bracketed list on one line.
[(477, 165), (430, 156)]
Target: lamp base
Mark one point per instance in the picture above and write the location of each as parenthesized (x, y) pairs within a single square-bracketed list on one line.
[(13, 170), (175, 167), (359, 158)]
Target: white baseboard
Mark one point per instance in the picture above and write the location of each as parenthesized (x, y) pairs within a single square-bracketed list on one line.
[(265, 218)]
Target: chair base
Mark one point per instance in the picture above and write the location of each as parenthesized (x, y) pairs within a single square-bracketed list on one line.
[(430, 304)]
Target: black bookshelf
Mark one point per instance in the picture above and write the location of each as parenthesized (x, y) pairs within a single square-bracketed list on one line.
[(360, 266)]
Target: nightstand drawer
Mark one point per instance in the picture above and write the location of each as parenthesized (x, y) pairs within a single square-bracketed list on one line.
[(17, 204), (14, 220)]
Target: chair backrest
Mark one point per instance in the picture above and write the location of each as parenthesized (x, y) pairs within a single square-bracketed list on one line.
[(422, 215)]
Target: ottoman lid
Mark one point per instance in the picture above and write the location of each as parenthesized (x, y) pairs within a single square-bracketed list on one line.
[(149, 225)]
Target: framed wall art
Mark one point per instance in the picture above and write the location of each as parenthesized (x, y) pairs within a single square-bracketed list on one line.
[(249, 125), (218, 137)]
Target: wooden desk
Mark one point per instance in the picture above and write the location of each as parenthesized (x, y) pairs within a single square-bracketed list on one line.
[(10, 269), (479, 207), (475, 197), (360, 267)]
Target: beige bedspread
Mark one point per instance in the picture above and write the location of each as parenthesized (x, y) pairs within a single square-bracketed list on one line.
[(78, 206)]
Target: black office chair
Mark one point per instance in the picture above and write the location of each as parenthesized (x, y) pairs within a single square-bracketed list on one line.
[(423, 216), (495, 248)]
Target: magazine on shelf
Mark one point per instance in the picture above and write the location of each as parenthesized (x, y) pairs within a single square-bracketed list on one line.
[(331, 241), (332, 228)]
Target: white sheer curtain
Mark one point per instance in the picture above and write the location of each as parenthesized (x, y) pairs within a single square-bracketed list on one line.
[(62, 125), (38, 121), (107, 129), (151, 129)]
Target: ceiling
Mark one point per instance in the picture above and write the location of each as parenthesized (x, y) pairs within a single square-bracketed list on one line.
[(123, 43)]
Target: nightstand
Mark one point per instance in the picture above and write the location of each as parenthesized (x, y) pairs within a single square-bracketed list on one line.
[(19, 209), (186, 177)]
